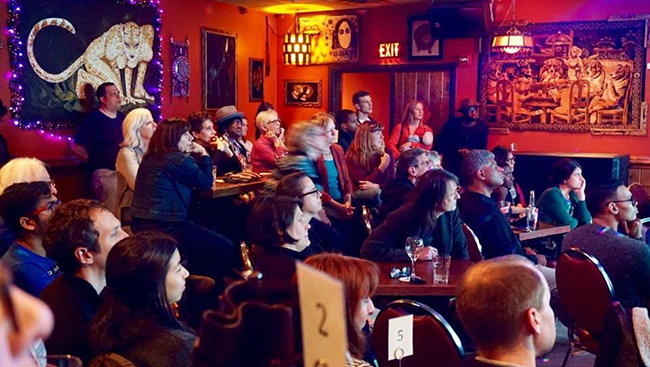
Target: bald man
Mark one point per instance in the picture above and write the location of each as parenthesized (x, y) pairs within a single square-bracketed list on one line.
[(504, 304)]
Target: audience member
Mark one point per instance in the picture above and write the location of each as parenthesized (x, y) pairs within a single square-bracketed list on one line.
[(233, 153), (335, 182), (346, 124), (144, 277), (412, 132), (306, 143), (412, 164), (503, 305), (25, 321), (16, 171), (429, 213), (98, 141), (280, 236), (505, 157), (322, 236), (362, 103), (359, 279), (371, 167), (466, 132), (481, 176), (138, 128), (163, 191), (270, 144), (26, 209), (625, 257), (564, 202), (78, 237)]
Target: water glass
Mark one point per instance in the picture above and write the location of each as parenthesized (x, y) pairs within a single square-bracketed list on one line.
[(64, 360), (441, 269), (530, 218)]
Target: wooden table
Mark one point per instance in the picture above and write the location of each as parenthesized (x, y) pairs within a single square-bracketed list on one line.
[(424, 269), (543, 230), (222, 189)]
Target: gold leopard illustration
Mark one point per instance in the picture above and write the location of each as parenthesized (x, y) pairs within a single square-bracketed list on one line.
[(124, 46)]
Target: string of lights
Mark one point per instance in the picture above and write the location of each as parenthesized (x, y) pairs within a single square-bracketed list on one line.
[(18, 60)]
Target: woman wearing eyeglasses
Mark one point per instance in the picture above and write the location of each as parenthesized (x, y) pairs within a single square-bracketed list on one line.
[(322, 236), (563, 204), (270, 145), (279, 233)]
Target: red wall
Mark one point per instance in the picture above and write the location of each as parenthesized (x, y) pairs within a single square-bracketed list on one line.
[(389, 24), (180, 19), (377, 86)]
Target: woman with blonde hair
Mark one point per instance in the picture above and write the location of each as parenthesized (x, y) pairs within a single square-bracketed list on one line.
[(369, 164), (412, 132), (138, 127), (270, 145), (24, 169), (359, 278)]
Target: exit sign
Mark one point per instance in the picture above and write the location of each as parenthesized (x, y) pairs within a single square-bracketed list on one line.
[(388, 50)]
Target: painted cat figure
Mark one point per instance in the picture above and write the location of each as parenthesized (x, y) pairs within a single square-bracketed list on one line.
[(125, 47)]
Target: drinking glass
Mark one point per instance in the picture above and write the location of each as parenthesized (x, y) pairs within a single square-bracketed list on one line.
[(414, 246), (441, 270)]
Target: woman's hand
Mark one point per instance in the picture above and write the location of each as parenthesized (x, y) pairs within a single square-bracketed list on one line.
[(342, 210), (580, 191), (385, 161), (271, 135), (196, 148), (367, 185), (405, 146), (428, 253)]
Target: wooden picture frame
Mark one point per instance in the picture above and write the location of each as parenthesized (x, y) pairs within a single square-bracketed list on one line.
[(255, 80), (218, 68), (421, 43), (303, 93)]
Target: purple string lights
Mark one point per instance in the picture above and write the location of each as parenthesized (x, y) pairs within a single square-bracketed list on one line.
[(18, 60)]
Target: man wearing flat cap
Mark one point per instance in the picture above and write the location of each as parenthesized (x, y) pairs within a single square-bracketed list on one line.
[(233, 152), (460, 133)]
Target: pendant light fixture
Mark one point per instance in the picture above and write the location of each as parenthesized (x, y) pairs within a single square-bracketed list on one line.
[(296, 48), (512, 41)]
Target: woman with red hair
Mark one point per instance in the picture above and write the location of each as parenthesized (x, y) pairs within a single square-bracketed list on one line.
[(359, 278), (412, 132)]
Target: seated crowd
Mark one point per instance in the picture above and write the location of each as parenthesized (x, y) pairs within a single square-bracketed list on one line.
[(112, 274)]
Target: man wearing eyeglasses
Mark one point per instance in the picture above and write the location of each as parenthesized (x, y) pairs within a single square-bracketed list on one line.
[(26, 209), (615, 239)]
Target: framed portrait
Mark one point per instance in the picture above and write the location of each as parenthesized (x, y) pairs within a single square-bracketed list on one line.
[(335, 38), (219, 68), (421, 41), (57, 59), (303, 93), (255, 79), (582, 77)]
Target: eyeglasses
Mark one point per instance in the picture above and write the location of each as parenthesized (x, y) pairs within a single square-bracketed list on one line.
[(49, 206), (632, 200), (397, 272), (275, 122), (308, 193), (51, 183)]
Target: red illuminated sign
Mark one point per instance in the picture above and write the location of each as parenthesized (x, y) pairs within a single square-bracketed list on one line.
[(388, 50)]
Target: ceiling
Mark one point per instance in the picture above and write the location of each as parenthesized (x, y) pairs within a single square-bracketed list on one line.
[(298, 6)]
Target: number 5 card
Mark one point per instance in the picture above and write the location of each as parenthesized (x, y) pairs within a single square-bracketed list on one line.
[(400, 337)]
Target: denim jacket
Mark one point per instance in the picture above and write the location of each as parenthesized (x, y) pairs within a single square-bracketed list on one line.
[(163, 186)]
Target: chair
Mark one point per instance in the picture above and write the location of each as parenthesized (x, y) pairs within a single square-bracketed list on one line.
[(473, 244), (435, 343), (578, 108), (110, 360), (368, 221), (505, 107), (587, 294), (617, 116)]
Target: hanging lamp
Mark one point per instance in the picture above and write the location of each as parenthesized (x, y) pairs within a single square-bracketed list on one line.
[(512, 41), (296, 48)]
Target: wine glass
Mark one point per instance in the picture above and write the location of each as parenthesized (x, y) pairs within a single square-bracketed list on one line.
[(414, 246)]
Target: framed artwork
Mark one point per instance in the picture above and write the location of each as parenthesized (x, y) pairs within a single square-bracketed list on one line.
[(579, 77), (180, 68), (219, 68), (335, 38), (255, 79), (422, 44), (59, 60), (303, 93)]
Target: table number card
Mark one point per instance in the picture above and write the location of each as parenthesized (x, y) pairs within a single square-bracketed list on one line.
[(322, 311), (400, 337)]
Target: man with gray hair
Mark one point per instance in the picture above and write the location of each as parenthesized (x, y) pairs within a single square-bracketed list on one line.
[(480, 176), (503, 305)]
